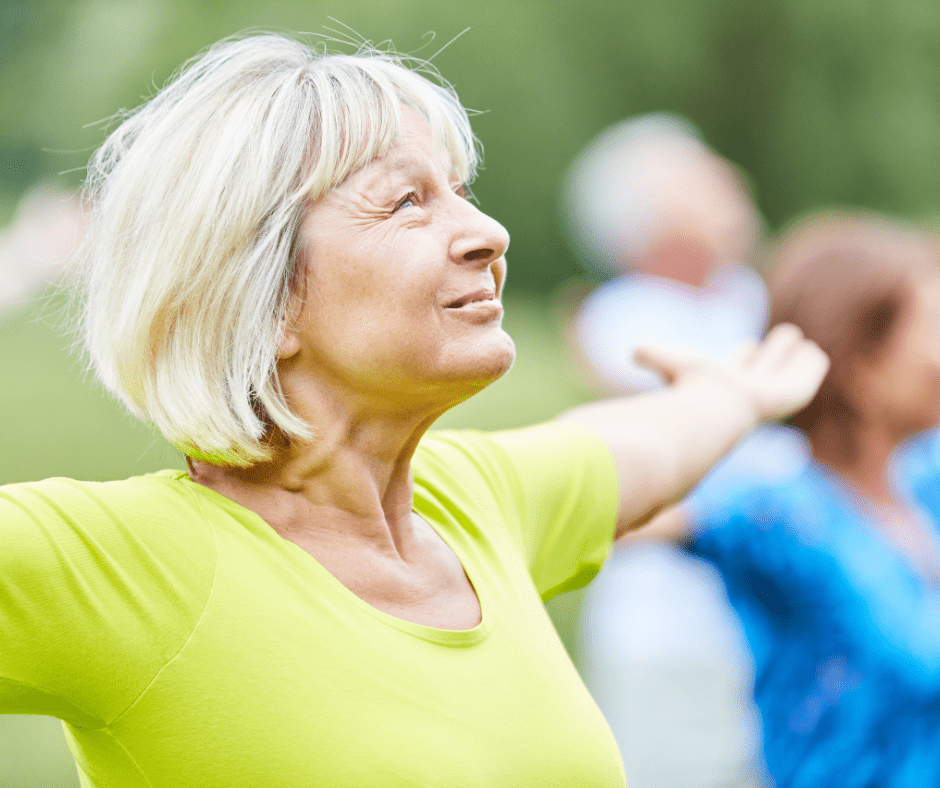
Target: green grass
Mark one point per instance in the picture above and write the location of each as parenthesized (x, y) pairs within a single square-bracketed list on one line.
[(56, 421)]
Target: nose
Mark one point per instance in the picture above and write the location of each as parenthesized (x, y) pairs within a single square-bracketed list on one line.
[(479, 238)]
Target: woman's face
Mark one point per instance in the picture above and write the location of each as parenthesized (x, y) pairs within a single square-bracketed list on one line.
[(902, 383), (403, 281)]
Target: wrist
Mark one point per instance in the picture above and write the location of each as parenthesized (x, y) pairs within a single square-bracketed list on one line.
[(725, 394)]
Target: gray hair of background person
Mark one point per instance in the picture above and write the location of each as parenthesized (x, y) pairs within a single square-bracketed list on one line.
[(191, 263), (612, 199)]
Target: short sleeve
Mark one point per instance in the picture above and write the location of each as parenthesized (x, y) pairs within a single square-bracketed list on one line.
[(100, 584), (554, 488), (748, 534)]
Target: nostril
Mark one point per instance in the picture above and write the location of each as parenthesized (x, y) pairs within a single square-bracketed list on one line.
[(478, 254)]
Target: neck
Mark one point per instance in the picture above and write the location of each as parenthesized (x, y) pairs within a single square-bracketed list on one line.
[(868, 467), (351, 482)]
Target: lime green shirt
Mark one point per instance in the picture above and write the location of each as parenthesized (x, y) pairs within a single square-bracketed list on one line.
[(184, 643)]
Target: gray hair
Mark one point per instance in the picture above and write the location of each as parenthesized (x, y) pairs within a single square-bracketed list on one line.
[(612, 199), (191, 261)]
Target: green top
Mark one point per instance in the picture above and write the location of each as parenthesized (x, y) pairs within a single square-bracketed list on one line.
[(183, 642)]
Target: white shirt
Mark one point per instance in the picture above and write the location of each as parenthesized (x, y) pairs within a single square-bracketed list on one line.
[(639, 309)]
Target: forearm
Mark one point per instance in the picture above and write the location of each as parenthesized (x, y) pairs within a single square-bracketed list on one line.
[(671, 524), (664, 442)]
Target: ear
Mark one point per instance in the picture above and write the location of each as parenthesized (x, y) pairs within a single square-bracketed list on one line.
[(288, 343)]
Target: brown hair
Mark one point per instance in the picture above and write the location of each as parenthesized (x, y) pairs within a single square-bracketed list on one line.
[(846, 279)]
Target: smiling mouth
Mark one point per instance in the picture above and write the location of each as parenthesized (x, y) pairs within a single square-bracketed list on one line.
[(480, 296)]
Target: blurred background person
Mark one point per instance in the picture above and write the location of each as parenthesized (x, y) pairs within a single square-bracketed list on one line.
[(43, 236), (835, 571), (651, 203)]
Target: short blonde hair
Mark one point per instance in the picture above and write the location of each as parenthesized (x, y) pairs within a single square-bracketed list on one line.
[(192, 260)]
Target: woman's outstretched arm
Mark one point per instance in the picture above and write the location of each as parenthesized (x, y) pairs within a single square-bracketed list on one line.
[(664, 442)]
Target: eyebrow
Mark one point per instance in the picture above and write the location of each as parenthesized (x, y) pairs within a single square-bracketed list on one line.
[(407, 165)]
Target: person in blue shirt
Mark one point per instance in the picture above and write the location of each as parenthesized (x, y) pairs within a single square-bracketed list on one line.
[(833, 566)]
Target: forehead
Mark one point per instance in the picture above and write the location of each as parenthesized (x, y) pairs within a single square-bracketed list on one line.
[(416, 153)]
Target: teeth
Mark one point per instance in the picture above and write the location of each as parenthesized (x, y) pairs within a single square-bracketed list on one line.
[(470, 299)]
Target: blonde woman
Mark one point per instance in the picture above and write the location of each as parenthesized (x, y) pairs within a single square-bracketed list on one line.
[(283, 273)]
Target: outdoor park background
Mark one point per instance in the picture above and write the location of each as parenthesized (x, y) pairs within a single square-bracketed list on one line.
[(822, 102)]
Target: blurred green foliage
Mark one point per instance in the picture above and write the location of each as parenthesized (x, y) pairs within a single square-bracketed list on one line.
[(821, 102)]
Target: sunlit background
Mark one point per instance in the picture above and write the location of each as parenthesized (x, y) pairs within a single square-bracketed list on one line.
[(821, 102)]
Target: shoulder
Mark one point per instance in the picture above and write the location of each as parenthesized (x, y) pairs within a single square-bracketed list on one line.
[(918, 460), (489, 455), (514, 466), (741, 285), (464, 457), (104, 580), (739, 290), (620, 297), (758, 512), (152, 508), (142, 496)]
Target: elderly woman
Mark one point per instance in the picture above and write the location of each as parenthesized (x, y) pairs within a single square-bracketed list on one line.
[(283, 273), (834, 567)]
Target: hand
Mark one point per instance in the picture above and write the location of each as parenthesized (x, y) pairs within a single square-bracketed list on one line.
[(779, 376)]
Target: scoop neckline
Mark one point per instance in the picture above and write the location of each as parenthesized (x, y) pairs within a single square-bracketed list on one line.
[(420, 506), (856, 504)]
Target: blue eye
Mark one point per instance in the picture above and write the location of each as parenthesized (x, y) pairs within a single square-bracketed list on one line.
[(408, 200)]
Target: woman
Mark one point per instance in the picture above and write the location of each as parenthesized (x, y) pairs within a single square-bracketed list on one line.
[(834, 568), (282, 273)]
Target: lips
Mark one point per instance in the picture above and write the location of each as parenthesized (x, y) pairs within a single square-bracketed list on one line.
[(472, 298)]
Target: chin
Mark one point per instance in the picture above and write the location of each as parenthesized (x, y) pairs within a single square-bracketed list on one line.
[(480, 366), (495, 367), (503, 357)]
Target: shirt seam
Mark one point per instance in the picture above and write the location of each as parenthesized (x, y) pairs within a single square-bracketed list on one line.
[(130, 757), (189, 637)]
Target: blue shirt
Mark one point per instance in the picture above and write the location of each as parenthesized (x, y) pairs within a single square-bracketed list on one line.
[(845, 633)]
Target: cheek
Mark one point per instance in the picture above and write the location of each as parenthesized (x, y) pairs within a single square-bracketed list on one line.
[(916, 392), (932, 384)]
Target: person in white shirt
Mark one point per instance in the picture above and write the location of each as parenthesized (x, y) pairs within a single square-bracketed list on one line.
[(649, 202)]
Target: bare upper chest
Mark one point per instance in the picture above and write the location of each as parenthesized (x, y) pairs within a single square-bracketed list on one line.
[(426, 585)]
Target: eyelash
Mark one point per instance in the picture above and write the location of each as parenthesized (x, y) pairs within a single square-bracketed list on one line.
[(411, 197), (461, 191)]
